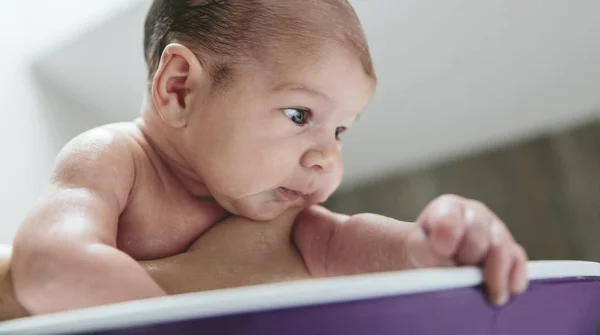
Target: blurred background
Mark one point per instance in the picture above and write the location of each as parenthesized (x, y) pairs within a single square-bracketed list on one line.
[(496, 100)]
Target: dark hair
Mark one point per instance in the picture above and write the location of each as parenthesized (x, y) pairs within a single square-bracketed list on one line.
[(221, 32)]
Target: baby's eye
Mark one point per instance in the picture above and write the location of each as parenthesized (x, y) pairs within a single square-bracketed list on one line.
[(338, 131), (297, 115)]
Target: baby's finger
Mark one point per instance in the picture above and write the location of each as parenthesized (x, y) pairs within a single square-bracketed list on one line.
[(444, 225), (420, 254), (518, 274), (476, 241), (498, 264)]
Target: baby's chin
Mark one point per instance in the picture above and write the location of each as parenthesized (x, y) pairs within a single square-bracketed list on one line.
[(263, 211)]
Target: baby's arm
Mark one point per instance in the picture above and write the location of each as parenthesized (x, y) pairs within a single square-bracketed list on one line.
[(65, 254), (335, 244), (450, 231)]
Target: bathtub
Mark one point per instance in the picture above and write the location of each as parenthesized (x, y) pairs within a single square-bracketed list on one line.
[(562, 299)]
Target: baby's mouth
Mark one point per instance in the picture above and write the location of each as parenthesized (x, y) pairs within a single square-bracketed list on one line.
[(288, 194)]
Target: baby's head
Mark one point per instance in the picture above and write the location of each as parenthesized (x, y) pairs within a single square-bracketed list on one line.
[(255, 94)]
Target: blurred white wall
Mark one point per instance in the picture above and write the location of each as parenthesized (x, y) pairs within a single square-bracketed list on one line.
[(464, 76), (36, 118)]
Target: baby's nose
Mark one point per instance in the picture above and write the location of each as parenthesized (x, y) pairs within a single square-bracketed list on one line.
[(321, 160)]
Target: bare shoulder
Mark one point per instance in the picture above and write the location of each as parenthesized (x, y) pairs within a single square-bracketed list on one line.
[(110, 140), (100, 159)]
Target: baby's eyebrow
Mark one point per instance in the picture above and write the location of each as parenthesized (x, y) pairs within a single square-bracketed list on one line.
[(294, 86)]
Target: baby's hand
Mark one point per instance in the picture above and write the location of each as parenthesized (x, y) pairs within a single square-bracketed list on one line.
[(459, 231)]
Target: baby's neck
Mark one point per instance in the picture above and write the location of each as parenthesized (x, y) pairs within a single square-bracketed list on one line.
[(165, 148)]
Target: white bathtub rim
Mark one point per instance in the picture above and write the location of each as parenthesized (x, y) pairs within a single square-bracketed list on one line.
[(278, 296)]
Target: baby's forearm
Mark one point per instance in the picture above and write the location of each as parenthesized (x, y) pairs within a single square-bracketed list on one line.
[(368, 243), (79, 276), (10, 307)]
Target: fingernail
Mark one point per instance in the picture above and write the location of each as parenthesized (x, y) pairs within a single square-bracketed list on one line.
[(521, 286), (469, 215), (501, 299), (496, 232)]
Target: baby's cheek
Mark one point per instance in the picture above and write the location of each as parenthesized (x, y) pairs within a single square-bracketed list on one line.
[(336, 179)]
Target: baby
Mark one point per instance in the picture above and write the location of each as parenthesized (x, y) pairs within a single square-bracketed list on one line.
[(247, 102)]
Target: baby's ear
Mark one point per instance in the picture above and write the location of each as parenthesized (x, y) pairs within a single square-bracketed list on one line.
[(177, 79)]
